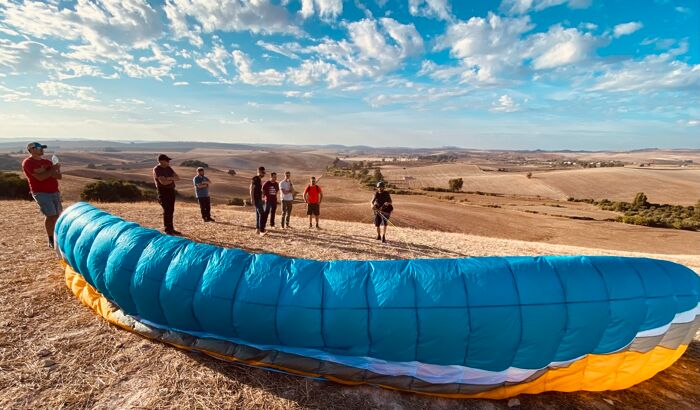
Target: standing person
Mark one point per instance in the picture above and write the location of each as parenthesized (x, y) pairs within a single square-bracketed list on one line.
[(381, 204), (201, 191), (256, 199), (287, 194), (165, 176), (42, 176), (270, 190), (313, 196)]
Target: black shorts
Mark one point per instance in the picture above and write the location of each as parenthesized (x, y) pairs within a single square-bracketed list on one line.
[(313, 209), (381, 218)]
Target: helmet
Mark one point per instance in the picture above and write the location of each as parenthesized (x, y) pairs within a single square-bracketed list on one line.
[(380, 184)]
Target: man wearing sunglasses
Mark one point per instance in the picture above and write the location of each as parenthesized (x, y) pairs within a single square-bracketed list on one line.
[(43, 176)]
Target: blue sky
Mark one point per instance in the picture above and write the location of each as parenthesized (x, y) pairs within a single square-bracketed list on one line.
[(508, 74)]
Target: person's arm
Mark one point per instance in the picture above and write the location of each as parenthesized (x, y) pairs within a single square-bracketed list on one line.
[(42, 174), (175, 177), (320, 195), (306, 195), (165, 180), (388, 200), (252, 199)]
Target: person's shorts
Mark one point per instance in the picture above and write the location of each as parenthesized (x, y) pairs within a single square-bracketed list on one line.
[(381, 218), (49, 203), (313, 209)]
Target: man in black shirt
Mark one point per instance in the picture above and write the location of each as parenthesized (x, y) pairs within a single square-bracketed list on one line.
[(256, 185), (381, 204), (165, 177)]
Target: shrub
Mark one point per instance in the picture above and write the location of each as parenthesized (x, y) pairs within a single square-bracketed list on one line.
[(231, 172), (456, 184), (640, 201), (13, 187), (529, 175), (91, 165), (378, 175), (235, 201), (112, 190), (193, 163)]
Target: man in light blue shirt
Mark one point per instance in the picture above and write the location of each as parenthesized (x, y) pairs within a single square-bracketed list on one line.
[(201, 191)]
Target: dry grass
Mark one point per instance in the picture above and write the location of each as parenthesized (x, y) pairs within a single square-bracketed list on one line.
[(55, 353)]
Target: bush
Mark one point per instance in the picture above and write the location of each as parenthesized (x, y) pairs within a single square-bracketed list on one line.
[(13, 187), (91, 165), (236, 201), (529, 175), (111, 191), (456, 184), (193, 163), (232, 172)]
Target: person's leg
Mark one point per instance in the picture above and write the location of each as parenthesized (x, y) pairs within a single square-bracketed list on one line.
[(378, 224), (284, 212), (273, 211), (208, 208), (259, 215), (386, 223), (202, 208), (309, 211), (268, 208), (289, 211), (169, 211)]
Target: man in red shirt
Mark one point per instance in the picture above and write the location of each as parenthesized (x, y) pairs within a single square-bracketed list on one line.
[(313, 197), (43, 177)]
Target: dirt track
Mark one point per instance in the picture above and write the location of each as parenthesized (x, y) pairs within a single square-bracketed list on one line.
[(55, 353)]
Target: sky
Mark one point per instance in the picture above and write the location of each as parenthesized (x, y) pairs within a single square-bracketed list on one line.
[(500, 74)]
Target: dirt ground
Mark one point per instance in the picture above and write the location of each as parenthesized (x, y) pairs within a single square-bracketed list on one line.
[(55, 353)]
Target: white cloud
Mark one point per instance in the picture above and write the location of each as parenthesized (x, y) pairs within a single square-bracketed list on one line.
[(314, 71), (517, 7), (298, 94), (431, 8), (626, 28), (248, 76), (505, 103), (560, 46), (257, 16), (215, 61), (372, 49), (105, 30), (496, 49), (25, 56), (326, 9), (653, 73), (693, 123), (288, 50), (419, 98), (179, 27), (180, 83)]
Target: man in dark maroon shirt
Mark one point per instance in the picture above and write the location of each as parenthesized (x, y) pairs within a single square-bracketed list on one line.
[(270, 190), (43, 176), (165, 176)]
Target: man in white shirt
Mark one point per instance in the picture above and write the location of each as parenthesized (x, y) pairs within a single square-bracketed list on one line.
[(287, 196)]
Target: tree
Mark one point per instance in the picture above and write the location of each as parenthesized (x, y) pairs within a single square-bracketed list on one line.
[(112, 190), (13, 187), (456, 184), (378, 175), (696, 211), (640, 201), (193, 163)]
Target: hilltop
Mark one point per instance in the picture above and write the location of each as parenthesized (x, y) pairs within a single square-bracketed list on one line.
[(58, 352)]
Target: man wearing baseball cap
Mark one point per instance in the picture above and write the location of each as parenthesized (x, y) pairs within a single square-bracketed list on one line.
[(43, 177), (165, 177)]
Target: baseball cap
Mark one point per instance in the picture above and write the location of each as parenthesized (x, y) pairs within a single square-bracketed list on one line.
[(380, 184), (35, 145), (163, 157)]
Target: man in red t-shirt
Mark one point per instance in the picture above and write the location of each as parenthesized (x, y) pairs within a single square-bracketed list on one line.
[(43, 176), (313, 197)]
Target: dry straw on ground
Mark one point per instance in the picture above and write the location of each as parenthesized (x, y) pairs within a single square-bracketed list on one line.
[(54, 353)]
